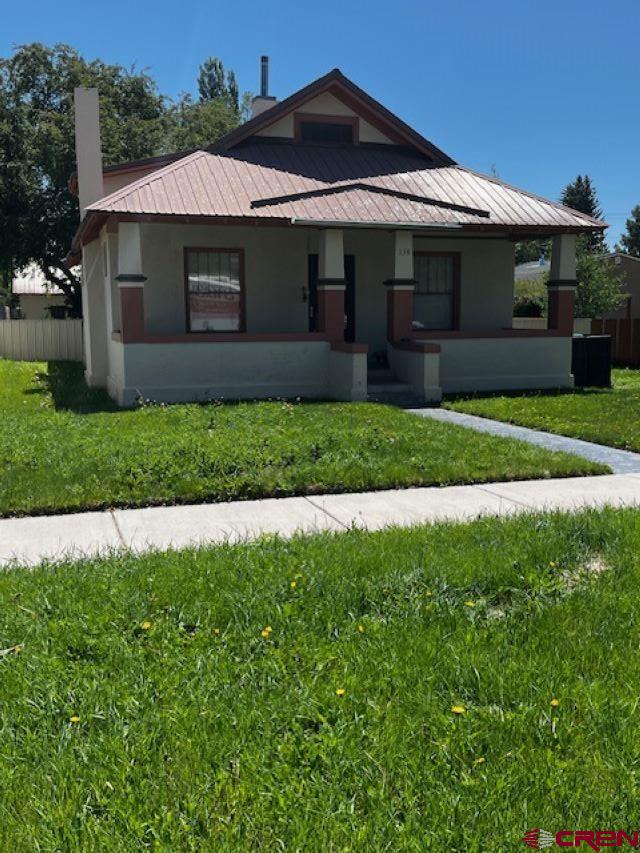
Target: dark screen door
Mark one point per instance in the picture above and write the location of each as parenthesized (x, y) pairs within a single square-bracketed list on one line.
[(349, 297)]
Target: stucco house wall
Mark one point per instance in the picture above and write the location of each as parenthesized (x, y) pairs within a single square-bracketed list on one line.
[(276, 277)]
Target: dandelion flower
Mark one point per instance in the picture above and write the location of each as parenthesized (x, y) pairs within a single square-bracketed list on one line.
[(340, 691), (458, 709), (266, 632), (74, 719), (554, 703), (216, 631), (469, 604), (145, 625), (294, 584), (361, 629)]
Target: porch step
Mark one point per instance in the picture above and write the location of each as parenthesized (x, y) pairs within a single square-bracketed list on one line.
[(394, 393)]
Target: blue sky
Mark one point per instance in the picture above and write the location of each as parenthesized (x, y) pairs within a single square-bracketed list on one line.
[(540, 91)]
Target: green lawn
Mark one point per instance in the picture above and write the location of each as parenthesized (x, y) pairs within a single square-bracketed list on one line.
[(606, 416), (67, 448), (298, 695)]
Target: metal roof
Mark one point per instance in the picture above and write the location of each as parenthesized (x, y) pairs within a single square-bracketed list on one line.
[(284, 182)]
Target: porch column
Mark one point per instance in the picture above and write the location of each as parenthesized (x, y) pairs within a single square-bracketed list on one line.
[(331, 284), (400, 289), (562, 283), (131, 281)]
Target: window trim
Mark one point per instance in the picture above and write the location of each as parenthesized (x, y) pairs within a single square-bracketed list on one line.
[(321, 118), (242, 326), (457, 287)]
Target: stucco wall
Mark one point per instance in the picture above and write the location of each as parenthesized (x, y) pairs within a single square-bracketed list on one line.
[(206, 371), (486, 276), (497, 364), (275, 274), (276, 277)]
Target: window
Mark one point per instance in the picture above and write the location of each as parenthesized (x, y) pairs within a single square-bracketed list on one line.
[(435, 302), (215, 297), (324, 129)]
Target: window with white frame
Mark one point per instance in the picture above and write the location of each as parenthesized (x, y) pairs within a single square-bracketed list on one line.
[(215, 298), (436, 292)]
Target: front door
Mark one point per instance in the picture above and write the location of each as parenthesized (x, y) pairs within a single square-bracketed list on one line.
[(349, 297)]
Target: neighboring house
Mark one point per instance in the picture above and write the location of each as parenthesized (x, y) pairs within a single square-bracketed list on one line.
[(629, 267), (36, 297), (322, 237)]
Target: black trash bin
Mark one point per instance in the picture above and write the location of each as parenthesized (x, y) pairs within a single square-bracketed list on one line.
[(591, 361)]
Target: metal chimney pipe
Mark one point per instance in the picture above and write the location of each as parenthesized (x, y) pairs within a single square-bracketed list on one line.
[(264, 76)]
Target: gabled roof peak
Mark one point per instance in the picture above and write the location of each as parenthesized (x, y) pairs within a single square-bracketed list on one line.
[(354, 97)]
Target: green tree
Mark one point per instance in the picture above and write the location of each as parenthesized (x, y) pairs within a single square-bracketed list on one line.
[(38, 215), (198, 124), (531, 250), (581, 195), (630, 240), (599, 285), (216, 84)]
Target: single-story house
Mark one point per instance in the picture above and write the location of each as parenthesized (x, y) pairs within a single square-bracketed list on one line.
[(36, 296), (320, 242)]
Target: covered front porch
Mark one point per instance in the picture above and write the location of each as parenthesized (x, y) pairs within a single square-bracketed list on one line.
[(200, 311)]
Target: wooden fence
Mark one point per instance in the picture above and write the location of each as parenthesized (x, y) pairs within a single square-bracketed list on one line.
[(41, 340), (581, 325), (625, 339)]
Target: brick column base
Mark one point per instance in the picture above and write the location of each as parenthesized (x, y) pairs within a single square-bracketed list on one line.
[(561, 297), (331, 308), (131, 290), (399, 309)]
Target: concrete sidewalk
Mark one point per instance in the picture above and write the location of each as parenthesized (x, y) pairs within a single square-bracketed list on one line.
[(618, 461), (28, 541)]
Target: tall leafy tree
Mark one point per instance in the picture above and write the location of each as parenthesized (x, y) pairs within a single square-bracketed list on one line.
[(630, 240), (38, 215), (197, 124), (581, 195), (37, 212), (599, 285)]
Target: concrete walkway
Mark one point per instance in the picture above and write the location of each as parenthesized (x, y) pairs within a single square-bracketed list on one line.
[(28, 541), (619, 461)]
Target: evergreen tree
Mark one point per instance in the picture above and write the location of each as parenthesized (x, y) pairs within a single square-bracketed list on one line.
[(630, 240), (216, 84), (211, 85), (581, 195)]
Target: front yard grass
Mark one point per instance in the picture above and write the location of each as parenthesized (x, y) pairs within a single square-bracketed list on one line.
[(65, 447), (440, 688), (606, 416)]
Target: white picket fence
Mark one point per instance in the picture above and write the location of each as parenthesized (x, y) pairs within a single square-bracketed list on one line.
[(41, 340)]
